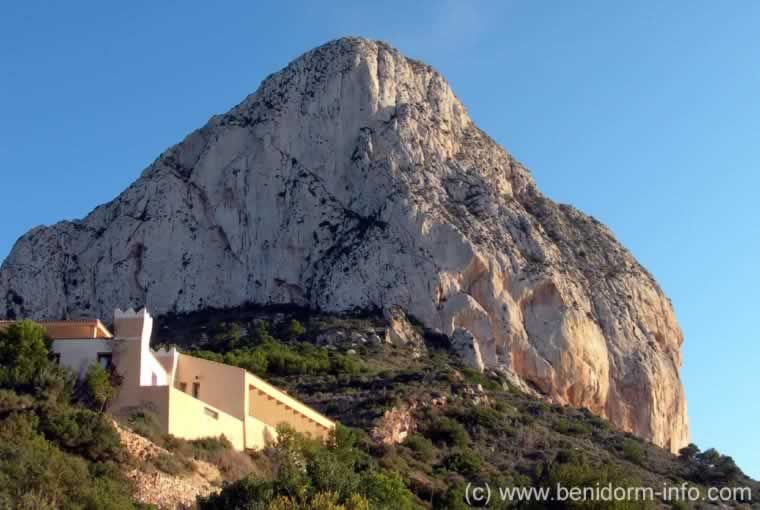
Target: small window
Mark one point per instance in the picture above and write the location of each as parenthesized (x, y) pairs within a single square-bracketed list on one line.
[(183, 387), (211, 413), (154, 379), (104, 360), (196, 389)]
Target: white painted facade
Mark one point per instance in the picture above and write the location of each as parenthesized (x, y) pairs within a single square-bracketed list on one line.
[(78, 355)]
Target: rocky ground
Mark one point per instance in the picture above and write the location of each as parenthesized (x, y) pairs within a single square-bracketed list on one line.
[(166, 491)]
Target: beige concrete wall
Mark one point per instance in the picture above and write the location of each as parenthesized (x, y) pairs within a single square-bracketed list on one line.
[(221, 386), (156, 399), (261, 392), (258, 434), (126, 360), (274, 412), (190, 418)]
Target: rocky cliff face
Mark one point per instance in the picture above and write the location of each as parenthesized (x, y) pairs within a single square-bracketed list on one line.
[(354, 178)]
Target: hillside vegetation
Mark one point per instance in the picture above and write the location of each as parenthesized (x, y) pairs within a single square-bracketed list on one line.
[(416, 427), (460, 426), (57, 449)]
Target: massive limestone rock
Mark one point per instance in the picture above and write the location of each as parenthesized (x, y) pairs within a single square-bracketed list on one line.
[(354, 178)]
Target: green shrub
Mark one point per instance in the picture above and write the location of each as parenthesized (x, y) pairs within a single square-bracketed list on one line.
[(23, 354), (480, 416), (35, 469), (82, 432), (421, 446), (232, 464), (537, 408), (453, 499), (633, 451), (447, 431), (10, 401), (463, 462), (713, 468), (270, 357), (170, 464), (208, 448), (568, 457), (571, 427), (598, 422), (689, 452), (308, 474), (97, 388), (386, 490), (295, 329), (146, 423), (261, 333), (228, 336), (477, 377), (591, 476), (53, 384)]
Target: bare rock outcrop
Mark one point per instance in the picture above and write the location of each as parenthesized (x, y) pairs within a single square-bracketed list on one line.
[(395, 425), (465, 345), (354, 178)]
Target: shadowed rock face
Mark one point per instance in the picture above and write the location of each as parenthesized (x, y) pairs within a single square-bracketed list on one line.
[(354, 178)]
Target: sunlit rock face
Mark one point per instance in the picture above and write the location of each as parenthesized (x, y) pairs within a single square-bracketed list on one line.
[(354, 178)]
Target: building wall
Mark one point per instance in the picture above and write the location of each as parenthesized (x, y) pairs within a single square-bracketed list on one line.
[(78, 355), (126, 360), (230, 401), (155, 399), (152, 373), (261, 393), (221, 386), (191, 418), (273, 412), (258, 434)]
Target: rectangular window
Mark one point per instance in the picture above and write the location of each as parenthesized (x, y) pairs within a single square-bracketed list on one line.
[(104, 360), (211, 413), (196, 389), (183, 387)]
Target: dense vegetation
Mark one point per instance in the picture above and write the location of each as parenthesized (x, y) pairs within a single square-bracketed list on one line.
[(263, 354), (307, 474), (54, 452)]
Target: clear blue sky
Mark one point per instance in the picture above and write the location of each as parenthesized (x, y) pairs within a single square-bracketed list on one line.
[(644, 114)]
